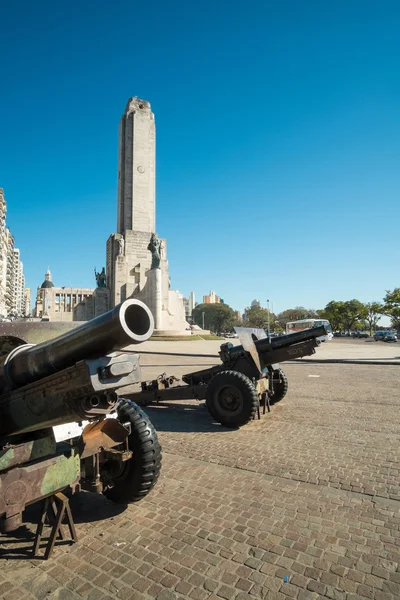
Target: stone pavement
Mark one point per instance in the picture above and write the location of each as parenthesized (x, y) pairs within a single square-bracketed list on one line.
[(357, 352), (303, 504), (337, 350)]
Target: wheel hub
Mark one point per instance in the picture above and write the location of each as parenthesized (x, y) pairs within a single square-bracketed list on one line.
[(230, 399)]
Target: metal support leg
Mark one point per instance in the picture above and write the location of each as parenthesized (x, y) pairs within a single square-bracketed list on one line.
[(55, 515)]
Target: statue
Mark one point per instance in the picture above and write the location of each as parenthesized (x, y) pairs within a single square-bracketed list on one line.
[(154, 247), (121, 245), (100, 278)]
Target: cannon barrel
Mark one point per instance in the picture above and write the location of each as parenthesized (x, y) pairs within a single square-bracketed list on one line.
[(131, 322), (284, 341), (264, 346)]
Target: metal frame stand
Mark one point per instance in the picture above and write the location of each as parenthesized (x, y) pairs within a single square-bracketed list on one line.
[(264, 402), (55, 515)]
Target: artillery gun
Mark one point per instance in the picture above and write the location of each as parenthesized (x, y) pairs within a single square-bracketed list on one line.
[(248, 377), (74, 378)]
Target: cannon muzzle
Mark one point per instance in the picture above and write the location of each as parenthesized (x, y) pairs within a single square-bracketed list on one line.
[(131, 322)]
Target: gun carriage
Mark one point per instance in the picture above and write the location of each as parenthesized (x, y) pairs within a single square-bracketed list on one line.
[(74, 378), (249, 376)]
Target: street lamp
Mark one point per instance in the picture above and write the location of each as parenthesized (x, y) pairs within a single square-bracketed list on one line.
[(202, 314), (269, 333)]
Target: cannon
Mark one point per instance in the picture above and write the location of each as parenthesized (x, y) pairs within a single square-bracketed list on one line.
[(69, 384), (248, 377)]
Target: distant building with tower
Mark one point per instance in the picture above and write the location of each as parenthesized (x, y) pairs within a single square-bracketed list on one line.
[(63, 303)]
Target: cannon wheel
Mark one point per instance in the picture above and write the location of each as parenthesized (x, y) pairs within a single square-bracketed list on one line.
[(135, 478), (280, 385), (231, 398)]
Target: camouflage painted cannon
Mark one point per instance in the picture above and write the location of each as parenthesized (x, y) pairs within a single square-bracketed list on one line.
[(248, 376), (74, 378)]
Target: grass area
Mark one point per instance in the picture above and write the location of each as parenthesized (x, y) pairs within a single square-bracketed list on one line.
[(185, 338)]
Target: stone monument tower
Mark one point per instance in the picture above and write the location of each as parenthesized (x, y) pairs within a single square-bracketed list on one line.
[(137, 263)]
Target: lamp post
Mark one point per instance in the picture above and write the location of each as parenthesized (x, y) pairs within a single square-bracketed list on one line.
[(269, 333), (202, 314)]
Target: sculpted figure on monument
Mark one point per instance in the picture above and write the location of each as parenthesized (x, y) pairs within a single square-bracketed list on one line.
[(154, 247), (100, 278), (121, 245)]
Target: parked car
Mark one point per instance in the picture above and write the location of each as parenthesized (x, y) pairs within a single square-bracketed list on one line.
[(385, 336), (360, 334), (390, 337)]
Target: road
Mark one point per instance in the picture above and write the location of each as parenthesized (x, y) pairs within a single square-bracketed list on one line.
[(302, 504)]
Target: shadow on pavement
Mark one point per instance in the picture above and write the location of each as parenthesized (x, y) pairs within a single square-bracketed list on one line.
[(86, 508), (183, 417)]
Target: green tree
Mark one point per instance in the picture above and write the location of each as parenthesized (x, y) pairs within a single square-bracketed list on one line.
[(255, 316), (333, 311), (391, 307), (295, 314), (217, 317), (352, 311), (373, 311)]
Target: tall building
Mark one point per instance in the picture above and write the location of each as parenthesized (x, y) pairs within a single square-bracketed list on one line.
[(192, 303), (3, 255), (189, 304), (28, 302), (130, 269), (12, 280), (212, 298), (18, 283)]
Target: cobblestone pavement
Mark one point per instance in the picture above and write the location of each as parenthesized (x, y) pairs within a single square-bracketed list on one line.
[(346, 349), (302, 504)]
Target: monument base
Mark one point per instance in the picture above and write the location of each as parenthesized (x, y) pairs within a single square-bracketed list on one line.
[(171, 333), (169, 318), (101, 301)]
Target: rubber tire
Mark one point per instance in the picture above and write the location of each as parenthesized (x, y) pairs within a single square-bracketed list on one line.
[(143, 469), (280, 388), (249, 396)]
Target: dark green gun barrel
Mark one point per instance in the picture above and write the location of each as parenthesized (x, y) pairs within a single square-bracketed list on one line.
[(264, 345), (131, 322)]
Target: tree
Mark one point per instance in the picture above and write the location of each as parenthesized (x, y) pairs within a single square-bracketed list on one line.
[(255, 304), (333, 311), (373, 311), (352, 311), (217, 317), (391, 307), (255, 316), (295, 314)]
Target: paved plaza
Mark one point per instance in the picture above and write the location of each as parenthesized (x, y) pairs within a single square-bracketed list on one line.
[(301, 504)]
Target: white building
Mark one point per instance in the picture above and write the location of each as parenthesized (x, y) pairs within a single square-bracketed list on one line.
[(12, 280), (19, 284), (3, 255)]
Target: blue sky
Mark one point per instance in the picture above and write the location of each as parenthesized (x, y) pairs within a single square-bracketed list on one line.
[(278, 131)]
